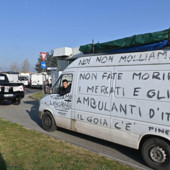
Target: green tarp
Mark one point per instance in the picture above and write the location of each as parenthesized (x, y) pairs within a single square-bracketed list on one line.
[(135, 40)]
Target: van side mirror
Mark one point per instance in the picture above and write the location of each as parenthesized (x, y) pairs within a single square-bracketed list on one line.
[(47, 90)]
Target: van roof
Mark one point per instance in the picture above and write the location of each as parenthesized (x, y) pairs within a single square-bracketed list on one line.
[(137, 58)]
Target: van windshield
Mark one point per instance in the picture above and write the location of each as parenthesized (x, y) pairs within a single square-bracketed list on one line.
[(23, 78)]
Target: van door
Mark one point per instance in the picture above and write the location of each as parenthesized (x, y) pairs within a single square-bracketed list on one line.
[(61, 105), (124, 107), (92, 101)]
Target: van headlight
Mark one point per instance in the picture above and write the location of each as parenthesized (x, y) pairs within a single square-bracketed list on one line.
[(42, 101)]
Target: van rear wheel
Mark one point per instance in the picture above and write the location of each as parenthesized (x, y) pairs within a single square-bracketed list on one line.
[(156, 153), (48, 122)]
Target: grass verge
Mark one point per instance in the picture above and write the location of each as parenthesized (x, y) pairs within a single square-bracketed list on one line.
[(38, 95), (22, 148)]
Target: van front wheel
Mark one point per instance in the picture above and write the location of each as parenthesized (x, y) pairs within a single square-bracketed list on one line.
[(48, 122), (156, 153)]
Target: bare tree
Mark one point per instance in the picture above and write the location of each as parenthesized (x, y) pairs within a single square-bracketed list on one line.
[(25, 66), (14, 67)]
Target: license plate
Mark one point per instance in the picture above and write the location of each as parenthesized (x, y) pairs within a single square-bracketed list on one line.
[(8, 95)]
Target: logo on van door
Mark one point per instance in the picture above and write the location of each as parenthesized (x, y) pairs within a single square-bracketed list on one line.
[(66, 97), (61, 103)]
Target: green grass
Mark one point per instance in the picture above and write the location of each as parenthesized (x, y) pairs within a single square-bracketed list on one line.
[(22, 148), (38, 95)]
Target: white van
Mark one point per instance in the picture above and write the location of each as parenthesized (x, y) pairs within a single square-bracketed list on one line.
[(37, 80), (24, 80), (122, 98)]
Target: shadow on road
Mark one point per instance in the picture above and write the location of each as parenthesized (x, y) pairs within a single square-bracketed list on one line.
[(2, 163), (33, 112), (5, 103)]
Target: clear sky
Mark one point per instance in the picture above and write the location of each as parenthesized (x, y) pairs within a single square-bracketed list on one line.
[(28, 27)]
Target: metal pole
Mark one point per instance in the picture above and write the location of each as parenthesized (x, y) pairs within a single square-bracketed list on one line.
[(43, 82), (93, 45), (169, 37)]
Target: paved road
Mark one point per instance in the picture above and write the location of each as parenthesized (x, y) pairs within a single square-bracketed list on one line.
[(29, 91), (26, 114)]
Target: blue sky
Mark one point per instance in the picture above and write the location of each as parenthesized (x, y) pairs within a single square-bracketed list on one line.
[(28, 27)]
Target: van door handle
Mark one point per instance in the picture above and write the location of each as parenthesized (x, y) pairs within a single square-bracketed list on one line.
[(68, 100)]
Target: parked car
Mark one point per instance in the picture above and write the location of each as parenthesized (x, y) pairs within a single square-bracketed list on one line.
[(24, 80), (13, 77), (13, 92)]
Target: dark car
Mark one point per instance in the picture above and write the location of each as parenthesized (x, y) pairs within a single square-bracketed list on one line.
[(10, 91)]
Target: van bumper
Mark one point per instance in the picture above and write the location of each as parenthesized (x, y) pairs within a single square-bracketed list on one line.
[(11, 96), (41, 110)]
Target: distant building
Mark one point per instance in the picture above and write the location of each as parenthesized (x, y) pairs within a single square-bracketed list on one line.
[(66, 55)]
